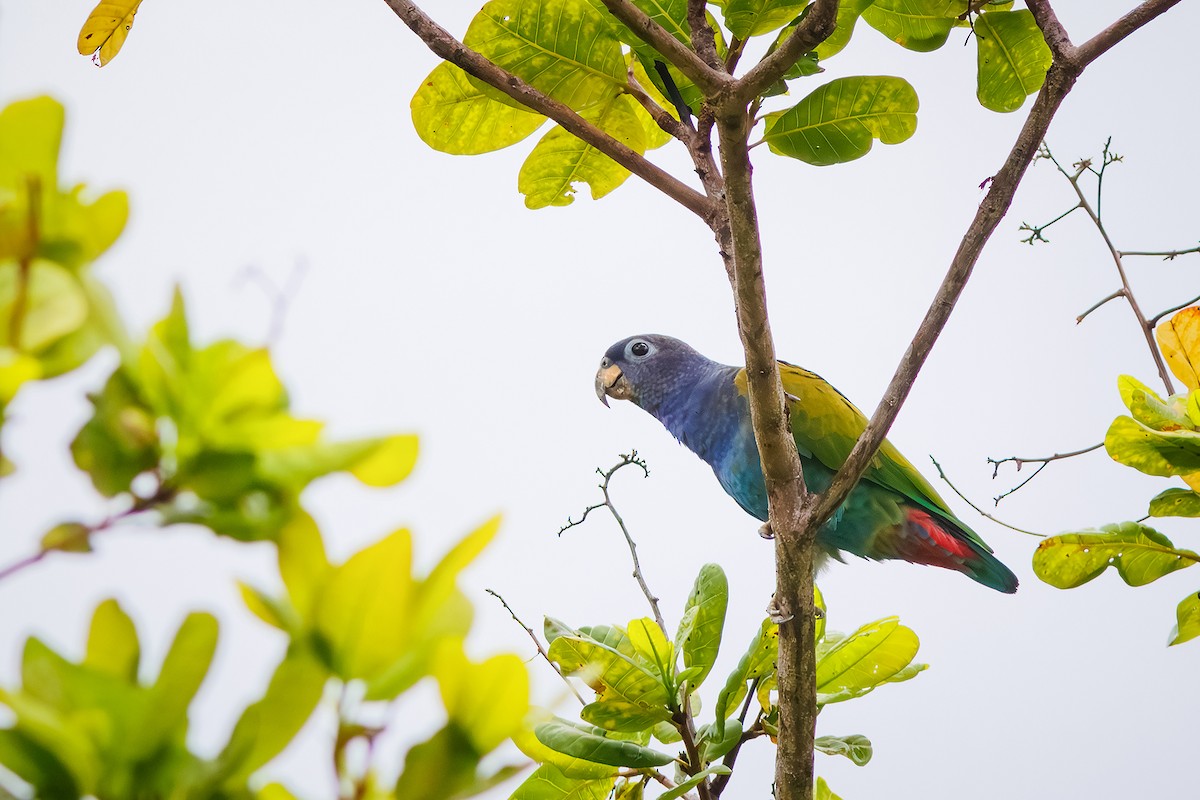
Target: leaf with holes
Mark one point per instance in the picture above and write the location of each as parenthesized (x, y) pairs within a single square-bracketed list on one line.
[(1175, 503), (1163, 453), (837, 122), (1187, 619), (1140, 554), (106, 28)]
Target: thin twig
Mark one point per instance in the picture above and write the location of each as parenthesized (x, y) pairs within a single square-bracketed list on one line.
[(1042, 462), (980, 511), (1158, 317), (1108, 158), (1098, 303), (538, 644), (1035, 231), (84, 534), (626, 460), (1167, 255)]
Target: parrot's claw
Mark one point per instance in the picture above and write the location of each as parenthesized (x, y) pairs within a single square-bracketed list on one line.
[(766, 532), (775, 613)]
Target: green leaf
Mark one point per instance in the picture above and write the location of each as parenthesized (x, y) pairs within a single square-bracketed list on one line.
[(30, 136), (565, 48), (112, 645), (380, 461), (68, 537), (560, 160), (269, 725), (1150, 409), (569, 766), (36, 765), (1187, 619), (486, 700), (920, 25), (746, 18), (1164, 453), (547, 783), (575, 740), (847, 16), (1140, 554), (757, 662), (613, 676), (823, 792), (623, 717), (865, 659), (303, 564), (855, 747), (443, 767), (362, 612), (685, 786), (453, 115), (716, 743), (837, 122), (1175, 503), (51, 301), (1013, 59), (183, 670), (702, 639), (653, 649)]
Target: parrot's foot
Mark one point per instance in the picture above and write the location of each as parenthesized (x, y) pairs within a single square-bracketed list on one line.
[(766, 532), (775, 613)]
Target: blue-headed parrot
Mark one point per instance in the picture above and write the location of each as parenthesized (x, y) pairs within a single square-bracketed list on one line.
[(893, 512)]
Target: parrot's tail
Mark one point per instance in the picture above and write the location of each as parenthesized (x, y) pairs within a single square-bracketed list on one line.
[(937, 542)]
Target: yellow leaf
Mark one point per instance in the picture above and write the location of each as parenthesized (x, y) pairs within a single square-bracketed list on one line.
[(104, 32), (1179, 340)]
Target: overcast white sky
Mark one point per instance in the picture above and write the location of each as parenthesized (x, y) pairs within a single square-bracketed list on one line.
[(276, 136)]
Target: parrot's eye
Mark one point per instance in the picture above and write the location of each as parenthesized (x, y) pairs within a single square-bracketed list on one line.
[(639, 349)]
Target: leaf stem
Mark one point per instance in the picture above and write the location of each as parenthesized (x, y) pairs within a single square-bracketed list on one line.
[(538, 644)]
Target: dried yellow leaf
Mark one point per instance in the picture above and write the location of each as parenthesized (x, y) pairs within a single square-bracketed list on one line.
[(106, 28), (1179, 340)]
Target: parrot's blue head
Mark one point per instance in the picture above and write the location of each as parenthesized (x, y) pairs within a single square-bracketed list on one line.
[(648, 370)]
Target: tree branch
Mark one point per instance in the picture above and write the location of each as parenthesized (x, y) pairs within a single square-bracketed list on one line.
[(1106, 39), (447, 47), (711, 81), (1059, 81), (786, 491), (816, 27), (704, 40)]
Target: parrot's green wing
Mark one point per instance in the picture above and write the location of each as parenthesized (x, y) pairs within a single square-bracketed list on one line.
[(826, 425)]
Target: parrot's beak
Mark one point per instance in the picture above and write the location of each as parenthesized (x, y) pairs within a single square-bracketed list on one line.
[(610, 382)]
